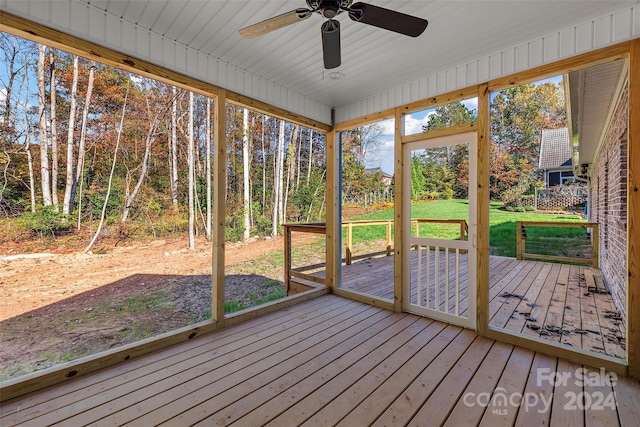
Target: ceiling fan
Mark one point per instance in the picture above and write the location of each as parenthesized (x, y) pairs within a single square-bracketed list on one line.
[(360, 12)]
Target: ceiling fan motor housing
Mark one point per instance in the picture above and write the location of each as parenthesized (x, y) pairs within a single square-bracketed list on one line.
[(329, 8)]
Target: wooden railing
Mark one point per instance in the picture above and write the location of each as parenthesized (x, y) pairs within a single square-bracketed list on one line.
[(289, 272), (366, 223), (521, 242), (320, 228), (464, 227)]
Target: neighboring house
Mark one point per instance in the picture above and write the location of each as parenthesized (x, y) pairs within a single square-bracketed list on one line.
[(555, 157), (385, 178)]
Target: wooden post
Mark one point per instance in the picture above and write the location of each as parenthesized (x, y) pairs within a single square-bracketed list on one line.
[(462, 230), (519, 245), (388, 238), (398, 237), (482, 212), (287, 257), (348, 248), (334, 223), (219, 189)]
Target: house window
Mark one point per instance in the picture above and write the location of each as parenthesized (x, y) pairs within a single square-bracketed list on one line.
[(560, 178)]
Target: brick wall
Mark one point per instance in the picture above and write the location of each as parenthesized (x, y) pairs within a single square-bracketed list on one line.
[(608, 204)]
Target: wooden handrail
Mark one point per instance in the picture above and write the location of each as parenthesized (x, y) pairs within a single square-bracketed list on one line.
[(315, 228), (521, 239)]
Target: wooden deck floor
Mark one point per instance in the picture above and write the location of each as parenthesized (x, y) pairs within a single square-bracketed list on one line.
[(543, 300), (333, 361)]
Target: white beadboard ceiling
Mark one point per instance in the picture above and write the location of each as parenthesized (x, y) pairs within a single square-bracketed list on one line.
[(373, 60)]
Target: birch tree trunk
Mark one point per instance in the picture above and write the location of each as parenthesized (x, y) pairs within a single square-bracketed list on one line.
[(291, 155), (245, 174), (174, 147), (277, 181), (44, 149), (190, 161), (310, 156), (54, 131), (32, 181), (83, 137), (208, 168), (264, 173), (67, 206)]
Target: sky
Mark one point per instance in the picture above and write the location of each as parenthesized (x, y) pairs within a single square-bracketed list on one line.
[(384, 156)]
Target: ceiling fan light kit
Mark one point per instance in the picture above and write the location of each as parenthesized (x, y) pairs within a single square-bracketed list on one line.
[(359, 12)]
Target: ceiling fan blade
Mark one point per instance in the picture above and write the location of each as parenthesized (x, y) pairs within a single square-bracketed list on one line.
[(271, 24), (331, 44), (388, 19)]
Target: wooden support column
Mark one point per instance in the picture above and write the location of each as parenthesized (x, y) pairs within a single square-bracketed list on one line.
[(219, 189), (398, 238), (633, 213), (333, 220), (482, 214)]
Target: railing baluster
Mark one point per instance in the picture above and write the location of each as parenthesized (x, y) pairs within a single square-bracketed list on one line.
[(446, 280), (457, 282), (428, 281), (419, 275), (437, 281)]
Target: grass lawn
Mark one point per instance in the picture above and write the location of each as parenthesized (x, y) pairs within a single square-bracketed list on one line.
[(502, 237)]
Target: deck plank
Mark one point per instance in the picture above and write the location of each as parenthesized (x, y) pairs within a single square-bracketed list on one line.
[(37, 403), (469, 410), (331, 361), (413, 397), (175, 400), (436, 410), (342, 404), (501, 410), (192, 373), (535, 409), (380, 398), (348, 369), (564, 392)]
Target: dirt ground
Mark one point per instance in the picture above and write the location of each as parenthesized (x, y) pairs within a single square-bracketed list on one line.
[(64, 304)]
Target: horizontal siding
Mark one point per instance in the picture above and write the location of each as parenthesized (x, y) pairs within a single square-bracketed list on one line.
[(88, 22), (601, 32)]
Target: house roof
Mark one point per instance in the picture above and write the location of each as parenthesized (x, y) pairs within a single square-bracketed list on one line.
[(555, 149), (466, 42), (374, 171), (592, 95)]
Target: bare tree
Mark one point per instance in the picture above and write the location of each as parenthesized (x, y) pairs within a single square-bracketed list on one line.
[(174, 147), (310, 156), (190, 161), (277, 182), (83, 138), (67, 205), (208, 168), (113, 167), (154, 118), (54, 130), (245, 175), (44, 147)]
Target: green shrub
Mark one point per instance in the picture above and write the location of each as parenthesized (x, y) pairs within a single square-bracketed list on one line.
[(45, 222), (447, 194), (529, 208)]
